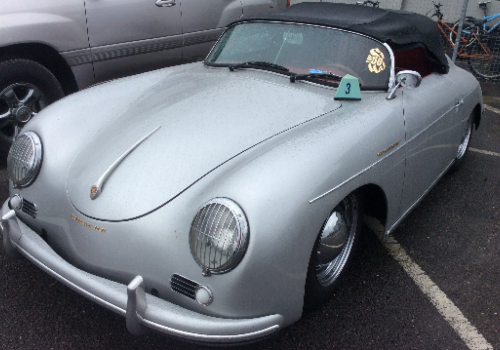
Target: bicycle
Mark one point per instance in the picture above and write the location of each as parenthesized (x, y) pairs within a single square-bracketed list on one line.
[(474, 45), (479, 24), (369, 2)]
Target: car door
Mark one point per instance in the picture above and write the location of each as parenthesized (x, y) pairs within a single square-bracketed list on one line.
[(432, 112), (132, 36), (203, 21)]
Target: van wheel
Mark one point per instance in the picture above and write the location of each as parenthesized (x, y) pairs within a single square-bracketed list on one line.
[(26, 87)]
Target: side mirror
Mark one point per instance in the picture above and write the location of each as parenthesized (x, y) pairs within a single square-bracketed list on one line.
[(406, 78)]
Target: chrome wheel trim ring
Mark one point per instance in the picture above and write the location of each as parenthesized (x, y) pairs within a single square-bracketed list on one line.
[(465, 142), (33, 99), (326, 274)]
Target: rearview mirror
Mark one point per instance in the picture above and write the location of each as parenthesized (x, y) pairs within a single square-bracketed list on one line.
[(409, 79), (406, 78)]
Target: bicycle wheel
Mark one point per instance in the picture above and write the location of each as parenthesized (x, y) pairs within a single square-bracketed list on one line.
[(453, 36), (488, 68)]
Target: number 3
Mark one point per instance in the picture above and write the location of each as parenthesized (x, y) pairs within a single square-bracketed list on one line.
[(348, 88)]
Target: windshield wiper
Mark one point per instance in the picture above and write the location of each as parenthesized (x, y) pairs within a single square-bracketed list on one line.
[(258, 64), (323, 75)]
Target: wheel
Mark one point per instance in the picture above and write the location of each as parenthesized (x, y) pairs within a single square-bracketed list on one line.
[(333, 251), (464, 145), (485, 67), (453, 36), (26, 87)]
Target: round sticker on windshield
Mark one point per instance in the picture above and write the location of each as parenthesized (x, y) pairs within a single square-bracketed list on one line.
[(375, 61)]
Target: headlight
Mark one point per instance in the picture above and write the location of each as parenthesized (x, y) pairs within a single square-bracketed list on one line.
[(219, 236), (24, 159)]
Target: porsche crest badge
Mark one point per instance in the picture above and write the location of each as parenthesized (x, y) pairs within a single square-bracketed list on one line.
[(93, 191), (375, 61)]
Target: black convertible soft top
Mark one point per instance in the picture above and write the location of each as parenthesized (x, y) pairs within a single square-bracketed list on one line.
[(400, 29)]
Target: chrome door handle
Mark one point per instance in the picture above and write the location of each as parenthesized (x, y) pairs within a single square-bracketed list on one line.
[(165, 3), (458, 103)]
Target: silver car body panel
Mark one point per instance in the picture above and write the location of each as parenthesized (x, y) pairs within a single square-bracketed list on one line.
[(288, 157), (61, 25), (134, 44), (178, 96)]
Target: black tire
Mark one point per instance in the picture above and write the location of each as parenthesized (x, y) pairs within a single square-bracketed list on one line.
[(341, 230), (484, 67), (464, 145), (26, 87)]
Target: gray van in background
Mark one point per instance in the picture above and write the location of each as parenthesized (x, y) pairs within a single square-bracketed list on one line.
[(51, 48)]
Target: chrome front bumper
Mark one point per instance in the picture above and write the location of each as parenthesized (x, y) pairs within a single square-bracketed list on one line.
[(140, 309)]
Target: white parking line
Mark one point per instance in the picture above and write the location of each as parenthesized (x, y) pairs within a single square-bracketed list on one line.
[(484, 152), (455, 318), (490, 108)]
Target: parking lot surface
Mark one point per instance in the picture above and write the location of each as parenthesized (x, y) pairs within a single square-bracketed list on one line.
[(453, 236)]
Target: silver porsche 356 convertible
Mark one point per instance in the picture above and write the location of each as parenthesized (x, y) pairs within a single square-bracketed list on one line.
[(215, 201)]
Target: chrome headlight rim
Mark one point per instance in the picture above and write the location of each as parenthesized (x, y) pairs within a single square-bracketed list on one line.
[(33, 172), (242, 238)]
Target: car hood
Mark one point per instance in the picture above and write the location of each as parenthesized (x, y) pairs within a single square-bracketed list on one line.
[(198, 122)]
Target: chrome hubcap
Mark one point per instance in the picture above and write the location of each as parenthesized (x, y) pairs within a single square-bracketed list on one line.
[(18, 104), (465, 142), (22, 114), (336, 242)]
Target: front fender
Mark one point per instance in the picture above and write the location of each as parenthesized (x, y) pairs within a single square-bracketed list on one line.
[(57, 24), (288, 186)]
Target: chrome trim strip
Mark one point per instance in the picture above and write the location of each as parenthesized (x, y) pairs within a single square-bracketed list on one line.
[(434, 122), (100, 182), (139, 47), (303, 24), (77, 57), (356, 175), (204, 36), (398, 221), (392, 79), (213, 338), (391, 74)]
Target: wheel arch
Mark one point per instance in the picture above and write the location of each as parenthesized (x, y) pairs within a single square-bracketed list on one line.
[(375, 202), (478, 114), (48, 57)]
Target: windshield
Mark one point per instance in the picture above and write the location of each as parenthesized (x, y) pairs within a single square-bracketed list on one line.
[(305, 49)]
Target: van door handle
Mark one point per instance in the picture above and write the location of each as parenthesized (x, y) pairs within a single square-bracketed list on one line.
[(458, 103), (165, 3)]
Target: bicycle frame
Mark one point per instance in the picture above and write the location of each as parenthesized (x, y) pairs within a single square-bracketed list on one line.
[(461, 51), (487, 19)]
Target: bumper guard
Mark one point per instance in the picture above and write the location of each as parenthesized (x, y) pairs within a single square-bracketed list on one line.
[(140, 309)]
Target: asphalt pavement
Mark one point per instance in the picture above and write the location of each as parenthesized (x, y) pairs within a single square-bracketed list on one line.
[(453, 236)]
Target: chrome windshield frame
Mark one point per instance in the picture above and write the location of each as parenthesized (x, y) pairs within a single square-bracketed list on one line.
[(392, 75)]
